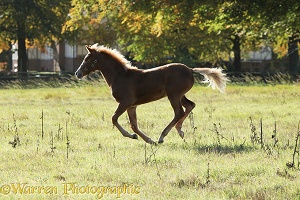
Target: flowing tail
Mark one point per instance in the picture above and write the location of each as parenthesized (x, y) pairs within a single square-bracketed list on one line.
[(214, 76)]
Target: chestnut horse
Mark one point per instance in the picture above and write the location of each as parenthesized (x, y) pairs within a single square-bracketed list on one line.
[(132, 87)]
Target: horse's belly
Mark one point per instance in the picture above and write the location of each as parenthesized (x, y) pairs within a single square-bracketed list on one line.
[(150, 96)]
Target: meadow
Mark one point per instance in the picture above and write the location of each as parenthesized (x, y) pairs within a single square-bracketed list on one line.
[(58, 142)]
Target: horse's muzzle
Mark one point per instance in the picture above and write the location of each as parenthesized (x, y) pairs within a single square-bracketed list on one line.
[(78, 74)]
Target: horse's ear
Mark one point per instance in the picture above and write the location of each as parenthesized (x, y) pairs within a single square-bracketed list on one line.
[(88, 48)]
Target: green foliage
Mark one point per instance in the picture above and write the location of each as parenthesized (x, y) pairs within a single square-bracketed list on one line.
[(156, 31), (31, 22), (36, 20), (88, 23), (191, 31), (280, 21)]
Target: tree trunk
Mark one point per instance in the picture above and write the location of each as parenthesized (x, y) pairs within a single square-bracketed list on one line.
[(293, 54), (237, 53), (56, 53), (22, 55), (61, 56)]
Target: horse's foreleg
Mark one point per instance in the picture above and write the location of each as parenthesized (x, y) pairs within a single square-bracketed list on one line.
[(189, 106), (178, 110), (133, 122), (120, 110)]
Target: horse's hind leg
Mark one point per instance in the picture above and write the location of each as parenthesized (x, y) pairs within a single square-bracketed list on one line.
[(179, 113), (189, 106), (120, 110), (133, 122)]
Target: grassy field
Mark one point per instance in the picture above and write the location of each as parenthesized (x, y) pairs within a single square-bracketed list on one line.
[(78, 154)]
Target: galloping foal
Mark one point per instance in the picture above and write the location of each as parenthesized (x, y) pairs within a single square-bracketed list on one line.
[(131, 86)]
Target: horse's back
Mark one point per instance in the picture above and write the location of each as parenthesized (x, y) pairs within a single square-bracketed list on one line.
[(170, 72), (173, 77)]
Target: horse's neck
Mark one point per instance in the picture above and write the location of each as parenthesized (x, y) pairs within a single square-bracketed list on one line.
[(109, 71)]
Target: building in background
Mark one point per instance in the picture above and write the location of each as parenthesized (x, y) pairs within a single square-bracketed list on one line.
[(71, 56), (65, 58), (257, 61)]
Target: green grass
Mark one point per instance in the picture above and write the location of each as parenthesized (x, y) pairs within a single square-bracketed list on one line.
[(216, 160)]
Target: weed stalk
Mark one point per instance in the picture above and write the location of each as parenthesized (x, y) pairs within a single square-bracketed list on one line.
[(296, 148), (42, 124), (58, 133), (37, 145), (154, 158), (16, 140), (68, 146), (274, 136), (114, 152), (52, 143), (67, 136), (261, 134), (219, 135), (254, 137), (208, 175)]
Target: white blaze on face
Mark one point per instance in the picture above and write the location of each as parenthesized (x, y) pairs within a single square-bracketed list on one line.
[(79, 73)]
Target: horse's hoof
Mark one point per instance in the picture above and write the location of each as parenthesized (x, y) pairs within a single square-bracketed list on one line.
[(149, 141), (160, 141), (181, 134), (134, 136)]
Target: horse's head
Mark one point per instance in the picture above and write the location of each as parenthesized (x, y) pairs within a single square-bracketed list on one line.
[(88, 64)]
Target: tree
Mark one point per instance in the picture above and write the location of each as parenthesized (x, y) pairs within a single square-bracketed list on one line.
[(238, 22), (164, 31), (187, 31), (150, 31), (89, 22), (279, 24), (293, 53), (31, 22), (281, 19)]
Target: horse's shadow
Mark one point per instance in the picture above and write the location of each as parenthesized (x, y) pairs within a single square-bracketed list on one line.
[(222, 148)]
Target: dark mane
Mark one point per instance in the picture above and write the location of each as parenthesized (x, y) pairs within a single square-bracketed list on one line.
[(115, 54)]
